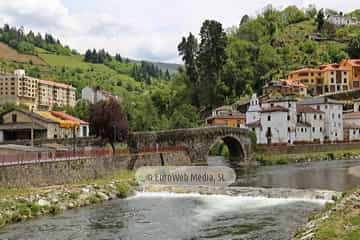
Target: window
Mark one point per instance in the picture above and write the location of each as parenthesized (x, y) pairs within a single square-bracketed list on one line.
[(269, 118), (333, 116), (345, 80), (315, 116), (332, 80), (289, 105), (288, 117), (320, 116), (313, 129), (289, 129), (320, 129), (14, 117), (253, 129), (302, 130), (339, 115)]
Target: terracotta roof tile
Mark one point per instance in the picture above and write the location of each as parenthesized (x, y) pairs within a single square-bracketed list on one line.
[(254, 124), (275, 109), (56, 84), (307, 109)]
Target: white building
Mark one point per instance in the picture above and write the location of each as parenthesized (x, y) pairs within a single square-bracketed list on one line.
[(310, 124), (340, 20), (94, 95), (274, 121), (333, 116), (352, 126), (285, 121)]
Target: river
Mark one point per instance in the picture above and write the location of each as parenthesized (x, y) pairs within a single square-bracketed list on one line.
[(167, 216)]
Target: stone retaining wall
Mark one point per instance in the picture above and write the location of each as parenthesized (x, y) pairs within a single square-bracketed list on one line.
[(305, 148), (69, 171)]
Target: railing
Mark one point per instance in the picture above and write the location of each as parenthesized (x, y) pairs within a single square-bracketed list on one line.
[(32, 157), (35, 157)]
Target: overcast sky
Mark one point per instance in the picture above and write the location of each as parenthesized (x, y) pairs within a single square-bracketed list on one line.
[(139, 29)]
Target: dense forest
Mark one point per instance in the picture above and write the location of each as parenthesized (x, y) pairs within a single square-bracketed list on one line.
[(220, 69), (221, 65), (28, 42)]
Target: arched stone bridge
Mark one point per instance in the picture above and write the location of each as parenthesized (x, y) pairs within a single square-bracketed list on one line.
[(197, 142)]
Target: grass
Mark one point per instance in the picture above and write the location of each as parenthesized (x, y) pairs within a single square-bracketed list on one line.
[(274, 159), (122, 175), (344, 223), (73, 61)]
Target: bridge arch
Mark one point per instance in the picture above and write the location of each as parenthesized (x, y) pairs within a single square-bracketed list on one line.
[(233, 143), (196, 142)]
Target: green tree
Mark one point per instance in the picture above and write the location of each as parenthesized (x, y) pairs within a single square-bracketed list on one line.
[(293, 15), (188, 49), (210, 62), (320, 20), (354, 47), (184, 116), (311, 11), (244, 19)]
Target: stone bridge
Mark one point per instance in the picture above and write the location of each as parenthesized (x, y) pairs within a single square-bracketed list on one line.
[(197, 142)]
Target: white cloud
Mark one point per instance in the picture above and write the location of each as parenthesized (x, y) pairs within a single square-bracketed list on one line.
[(137, 29)]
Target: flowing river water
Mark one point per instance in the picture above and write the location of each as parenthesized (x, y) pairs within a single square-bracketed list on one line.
[(167, 216)]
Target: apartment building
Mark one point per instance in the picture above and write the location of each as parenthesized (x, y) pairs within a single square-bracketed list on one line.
[(353, 66), (329, 78), (35, 93)]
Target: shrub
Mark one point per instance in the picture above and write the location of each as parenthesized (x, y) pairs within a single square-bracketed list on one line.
[(122, 190), (74, 195), (34, 208), (94, 199), (253, 140)]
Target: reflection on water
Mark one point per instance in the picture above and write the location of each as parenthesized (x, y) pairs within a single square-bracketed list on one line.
[(329, 175)]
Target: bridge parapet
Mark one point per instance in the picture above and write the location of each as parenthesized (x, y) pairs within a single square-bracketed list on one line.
[(196, 141)]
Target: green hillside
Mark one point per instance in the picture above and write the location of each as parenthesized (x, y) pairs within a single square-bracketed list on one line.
[(221, 69)]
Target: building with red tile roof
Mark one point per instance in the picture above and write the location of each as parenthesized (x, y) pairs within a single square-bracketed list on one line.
[(37, 94)]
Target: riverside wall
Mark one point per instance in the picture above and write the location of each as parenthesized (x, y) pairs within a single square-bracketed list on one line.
[(306, 148), (49, 173)]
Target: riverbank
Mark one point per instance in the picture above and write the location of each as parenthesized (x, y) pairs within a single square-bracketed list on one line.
[(339, 220), (274, 159), (17, 205)]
